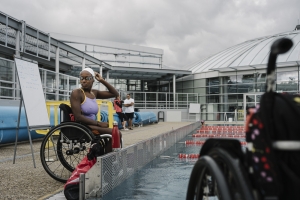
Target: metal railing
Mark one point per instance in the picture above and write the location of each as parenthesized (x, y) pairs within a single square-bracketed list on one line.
[(163, 100), (53, 112)]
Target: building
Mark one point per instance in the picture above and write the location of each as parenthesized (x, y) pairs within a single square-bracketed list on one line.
[(234, 79), (224, 84), (129, 68)]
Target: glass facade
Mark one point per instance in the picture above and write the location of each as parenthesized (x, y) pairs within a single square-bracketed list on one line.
[(7, 79), (10, 89), (222, 97), (227, 96)]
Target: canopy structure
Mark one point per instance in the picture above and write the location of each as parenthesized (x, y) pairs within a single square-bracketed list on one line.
[(249, 55), (19, 38)]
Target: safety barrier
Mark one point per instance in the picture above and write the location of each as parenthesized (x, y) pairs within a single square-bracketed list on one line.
[(53, 110), (112, 169)]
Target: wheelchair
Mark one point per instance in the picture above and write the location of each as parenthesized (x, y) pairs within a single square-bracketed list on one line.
[(269, 168), (65, 145)]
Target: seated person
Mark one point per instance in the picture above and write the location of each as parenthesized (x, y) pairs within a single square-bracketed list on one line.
[(118, 107), (84, 105)]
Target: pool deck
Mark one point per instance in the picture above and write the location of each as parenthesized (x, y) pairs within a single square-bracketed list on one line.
[(22, 181)]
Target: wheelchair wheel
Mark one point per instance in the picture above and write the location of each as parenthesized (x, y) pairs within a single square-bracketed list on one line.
[(234, 172), (207, 181), (63, 148)]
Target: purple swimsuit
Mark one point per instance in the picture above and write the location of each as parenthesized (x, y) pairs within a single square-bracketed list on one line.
[(89, 108)]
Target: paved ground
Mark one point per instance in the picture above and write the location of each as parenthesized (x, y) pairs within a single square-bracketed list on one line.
[(22, 181)]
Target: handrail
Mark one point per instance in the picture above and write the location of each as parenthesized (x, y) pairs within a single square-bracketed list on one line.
[(225, 117), (55, 106)]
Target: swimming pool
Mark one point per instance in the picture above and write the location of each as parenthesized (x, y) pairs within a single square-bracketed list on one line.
[(166, 177), (151, 169)]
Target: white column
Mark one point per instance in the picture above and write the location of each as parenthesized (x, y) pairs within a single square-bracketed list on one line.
[(45, 82), (15, 79), (100, 72), (57, 73), (18, 44), (107, 78), (174, 89), (83, 63)]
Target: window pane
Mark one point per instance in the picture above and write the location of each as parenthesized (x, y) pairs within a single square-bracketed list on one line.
[(6, 92), (229, 79), (229, 89), (6, 70), (213, 90), (245, 88), (138, 96), (213, 81), (178, 85), (286, 87), (287, 77), (213, 99), (230, 98)]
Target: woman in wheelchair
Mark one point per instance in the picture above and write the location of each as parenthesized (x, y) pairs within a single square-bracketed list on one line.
[(84, 105)]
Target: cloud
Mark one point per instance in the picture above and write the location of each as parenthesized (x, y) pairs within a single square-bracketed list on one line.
[(187, 31)]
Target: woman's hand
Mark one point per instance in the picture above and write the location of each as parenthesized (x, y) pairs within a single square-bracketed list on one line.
[(102, 124), (98, 77)]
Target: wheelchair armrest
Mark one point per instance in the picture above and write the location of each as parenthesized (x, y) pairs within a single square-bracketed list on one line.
[(286, 145), (105, 136)]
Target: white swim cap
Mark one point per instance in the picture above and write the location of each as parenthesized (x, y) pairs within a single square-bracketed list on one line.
[(90, 70)]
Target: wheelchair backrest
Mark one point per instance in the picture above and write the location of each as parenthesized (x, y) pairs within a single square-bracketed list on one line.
[(71, 133), (274, 171), (66, 113)]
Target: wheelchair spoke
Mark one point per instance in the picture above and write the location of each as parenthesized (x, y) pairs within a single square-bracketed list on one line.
[(63, 148)]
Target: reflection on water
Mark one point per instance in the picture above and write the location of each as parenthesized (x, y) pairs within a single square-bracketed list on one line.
[(166, 177)]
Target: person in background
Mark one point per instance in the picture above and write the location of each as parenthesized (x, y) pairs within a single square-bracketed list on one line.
[(84, 105), (129, 110), (202, 122), (118, 107)]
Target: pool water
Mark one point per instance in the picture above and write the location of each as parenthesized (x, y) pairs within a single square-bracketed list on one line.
[(164, 178)]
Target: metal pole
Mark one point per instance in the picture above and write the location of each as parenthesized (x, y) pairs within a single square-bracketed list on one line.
[(37, 43), (17, 131), (57, 73), (174, 89), (169, 97), (49, 46), (23, 36), (81, 186), (45, 83), (6, 30)]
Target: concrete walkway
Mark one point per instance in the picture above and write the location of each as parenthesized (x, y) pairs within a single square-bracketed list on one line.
[(22, 181)]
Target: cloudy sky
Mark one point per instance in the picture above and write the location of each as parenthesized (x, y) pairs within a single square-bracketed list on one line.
[(187, 30)]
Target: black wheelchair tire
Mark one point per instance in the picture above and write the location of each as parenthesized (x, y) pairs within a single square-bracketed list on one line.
[(234, 172), (57, 164), (203, 167)]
